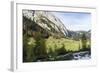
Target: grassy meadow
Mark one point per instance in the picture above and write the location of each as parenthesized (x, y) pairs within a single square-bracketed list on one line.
[(51, 47)]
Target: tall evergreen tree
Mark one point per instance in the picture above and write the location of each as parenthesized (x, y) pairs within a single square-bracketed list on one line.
[(84, 41)]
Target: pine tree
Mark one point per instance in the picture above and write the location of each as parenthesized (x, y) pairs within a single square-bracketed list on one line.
[(84, 41)]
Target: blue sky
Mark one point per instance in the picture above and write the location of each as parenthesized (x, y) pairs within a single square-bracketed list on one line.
[(74, 20)]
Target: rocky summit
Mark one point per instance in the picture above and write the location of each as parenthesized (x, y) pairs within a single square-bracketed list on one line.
[(46, 21)]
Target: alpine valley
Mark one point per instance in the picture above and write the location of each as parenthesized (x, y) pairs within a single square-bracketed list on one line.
[(46, 38)]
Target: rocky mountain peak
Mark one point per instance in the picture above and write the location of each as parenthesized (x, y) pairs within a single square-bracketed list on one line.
[(47, 21)]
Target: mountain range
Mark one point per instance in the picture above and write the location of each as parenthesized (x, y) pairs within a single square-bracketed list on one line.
[(48, 24)]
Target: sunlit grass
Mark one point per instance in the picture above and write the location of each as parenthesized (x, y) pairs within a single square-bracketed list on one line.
[(69, 45), (54, 44)]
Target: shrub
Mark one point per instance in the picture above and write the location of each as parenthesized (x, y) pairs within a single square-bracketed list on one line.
[(61, 51), (40, 49)]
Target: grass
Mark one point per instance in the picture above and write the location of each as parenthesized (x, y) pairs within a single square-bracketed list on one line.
[(54, 44), (69, 45)]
